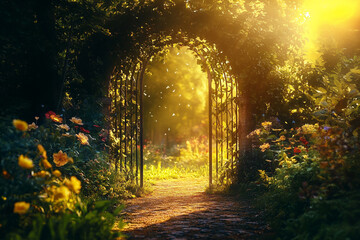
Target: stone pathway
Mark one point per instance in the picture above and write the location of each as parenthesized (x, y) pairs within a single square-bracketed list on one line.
[(179, 209)]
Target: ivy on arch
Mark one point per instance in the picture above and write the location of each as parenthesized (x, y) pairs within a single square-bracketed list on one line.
[(126, 112), (239, 46)]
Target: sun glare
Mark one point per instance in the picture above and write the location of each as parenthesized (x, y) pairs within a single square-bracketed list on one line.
[(331, 11), (328, 20)]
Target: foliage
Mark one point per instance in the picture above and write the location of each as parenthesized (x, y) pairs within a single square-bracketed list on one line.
[(41, 47), (190, 159), (309, 168), (310, 171), (65, 54), (87, 221), (43, 169), (338, 95)]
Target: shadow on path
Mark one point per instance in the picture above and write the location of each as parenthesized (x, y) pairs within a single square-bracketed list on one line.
[(179, 209)]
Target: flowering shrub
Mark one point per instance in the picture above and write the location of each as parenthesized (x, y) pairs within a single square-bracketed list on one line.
[(45, 175), (306, 169)]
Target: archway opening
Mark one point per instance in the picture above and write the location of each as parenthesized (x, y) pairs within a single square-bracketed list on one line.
[(175, 116), (127, 92)]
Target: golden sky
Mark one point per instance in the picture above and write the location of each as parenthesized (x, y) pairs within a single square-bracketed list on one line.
[(330, 22)]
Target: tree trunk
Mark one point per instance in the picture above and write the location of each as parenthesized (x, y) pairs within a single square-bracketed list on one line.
[(244, 122)]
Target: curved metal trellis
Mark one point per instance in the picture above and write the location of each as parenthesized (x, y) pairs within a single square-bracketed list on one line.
[(127, 132)]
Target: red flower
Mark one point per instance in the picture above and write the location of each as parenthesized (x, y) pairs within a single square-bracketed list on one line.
[(55, 118), (96, 126), (297, 150), (303, 140), (84, 130), (49, 113)]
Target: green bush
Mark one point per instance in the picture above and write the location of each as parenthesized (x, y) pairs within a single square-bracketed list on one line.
[(312, 182), (88, 221), (43, 168)]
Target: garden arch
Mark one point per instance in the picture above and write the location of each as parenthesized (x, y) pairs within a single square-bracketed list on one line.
[(126, 94), (231, 51)]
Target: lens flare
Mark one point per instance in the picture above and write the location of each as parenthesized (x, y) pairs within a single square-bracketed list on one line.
[(329, 22)]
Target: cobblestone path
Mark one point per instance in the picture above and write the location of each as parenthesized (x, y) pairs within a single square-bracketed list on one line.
[(179, 209)]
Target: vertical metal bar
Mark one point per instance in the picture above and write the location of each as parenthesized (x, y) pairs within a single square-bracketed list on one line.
[(210, 126), (114, 87), (132, 123), (125, 122), (137, 126), (227, 116), (132, 126), (221, 125), (111, 107), (237, 119), (121, 120), (142, 124), (232, 124), (216, 125), (217, 128), (227, 122)]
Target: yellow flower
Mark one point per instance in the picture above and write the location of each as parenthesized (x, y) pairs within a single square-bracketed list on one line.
[(84, 140), (265, 177), (20, 125), (64, 126), (264, 147), (73, 184), (42, 151), (266, 124), (46, 164), (262, 173), (25, 162), (56, 173), (62, 192), (282, 138), (32, 126), (309, 128), (60, 158), (21, 207), (253, 133), (42, 174), (41, 148), (77, 121), (56, 118)]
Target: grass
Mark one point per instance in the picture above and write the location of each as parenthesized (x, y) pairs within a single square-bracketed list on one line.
[(155, 173)]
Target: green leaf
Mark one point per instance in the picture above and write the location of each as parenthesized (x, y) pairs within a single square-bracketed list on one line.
[(321, 90), (102, 204)]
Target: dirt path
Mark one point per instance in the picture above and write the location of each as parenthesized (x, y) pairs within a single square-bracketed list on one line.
[(179, 209)]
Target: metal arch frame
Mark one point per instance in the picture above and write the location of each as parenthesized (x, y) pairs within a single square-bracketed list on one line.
[(222, 106)]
